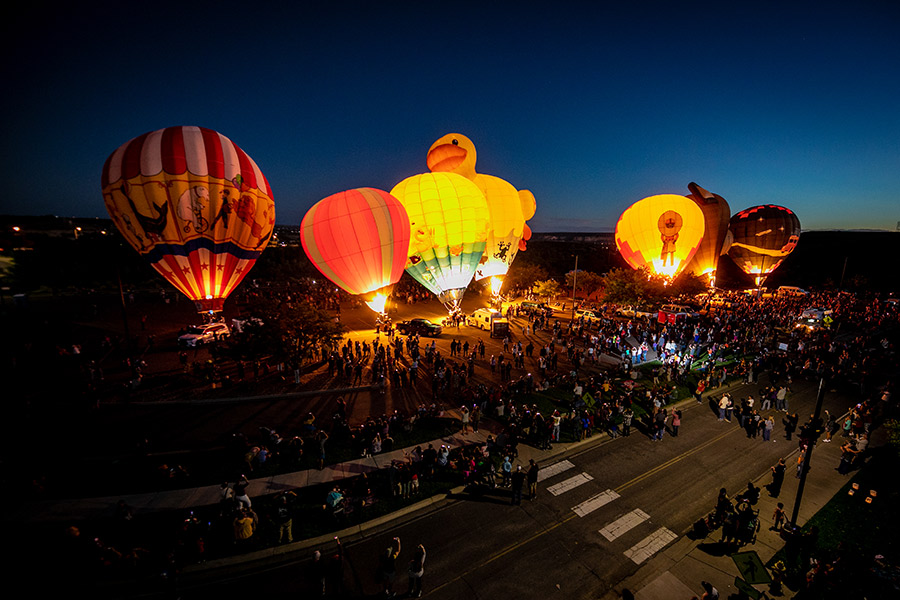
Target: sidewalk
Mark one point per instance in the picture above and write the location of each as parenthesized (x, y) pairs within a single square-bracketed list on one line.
[(677, 571), (68, 510)]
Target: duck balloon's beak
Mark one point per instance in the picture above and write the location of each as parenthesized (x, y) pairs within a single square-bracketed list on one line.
[(445, 158)]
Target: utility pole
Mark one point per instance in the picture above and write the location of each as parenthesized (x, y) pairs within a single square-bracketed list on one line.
[(806, 457), (574, 283)]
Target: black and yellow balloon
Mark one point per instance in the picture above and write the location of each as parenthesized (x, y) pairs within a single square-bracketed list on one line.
[(762, 236)]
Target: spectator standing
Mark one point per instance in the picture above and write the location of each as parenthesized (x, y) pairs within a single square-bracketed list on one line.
[(532, 479), (387, 567), (518, 482), (676, 422), (416, 571), (240, 491)]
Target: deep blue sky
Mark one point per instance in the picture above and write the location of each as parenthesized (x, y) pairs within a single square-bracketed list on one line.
[(590, 107)]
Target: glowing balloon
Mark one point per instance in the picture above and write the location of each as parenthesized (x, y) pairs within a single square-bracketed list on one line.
[(716, 214), (194, 205), (509, 208), (661, 233), (762, 237), (358, 239), (449, 222)]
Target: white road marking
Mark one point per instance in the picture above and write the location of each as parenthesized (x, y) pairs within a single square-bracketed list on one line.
[(624, 523), (595, 502), (554, 469), (568, 484), (650, 545)]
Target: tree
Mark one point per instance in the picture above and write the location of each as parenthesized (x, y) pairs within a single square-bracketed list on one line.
[(687, 284), (546, 289), (632, 287), (587, 282), (523, 275)]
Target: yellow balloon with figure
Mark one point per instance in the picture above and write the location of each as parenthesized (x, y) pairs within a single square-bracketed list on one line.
[(661, 233)]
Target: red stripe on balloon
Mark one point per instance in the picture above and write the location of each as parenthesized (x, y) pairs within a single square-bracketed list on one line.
[(131, 158), (247, 171), (172, 153), (215, 160)]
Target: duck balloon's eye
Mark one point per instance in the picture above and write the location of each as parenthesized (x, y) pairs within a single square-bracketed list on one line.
[(455, 142)]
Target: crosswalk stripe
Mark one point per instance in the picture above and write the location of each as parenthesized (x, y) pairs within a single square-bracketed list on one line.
[(570, 483), (554, 469), (623, 524), (650, 545), (595, 502)]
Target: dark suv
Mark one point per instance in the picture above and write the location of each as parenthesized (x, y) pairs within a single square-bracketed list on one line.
[(419, 326)]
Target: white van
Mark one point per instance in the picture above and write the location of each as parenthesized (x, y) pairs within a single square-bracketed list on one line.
[(791, 290), (483, 318)]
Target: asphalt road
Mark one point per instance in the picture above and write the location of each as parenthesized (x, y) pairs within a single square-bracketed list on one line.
[(481, 547)]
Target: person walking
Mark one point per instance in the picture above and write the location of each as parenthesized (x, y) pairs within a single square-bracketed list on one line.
[(416, 571), (768, 427), (676, 423)]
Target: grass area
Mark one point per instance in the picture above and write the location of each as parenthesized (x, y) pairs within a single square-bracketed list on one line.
[(856, 531)]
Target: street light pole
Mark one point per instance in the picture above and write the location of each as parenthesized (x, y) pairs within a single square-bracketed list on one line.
[(806, 457), (574, 283)]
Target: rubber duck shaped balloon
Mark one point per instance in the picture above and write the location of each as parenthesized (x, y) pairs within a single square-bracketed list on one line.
[(509, 208)]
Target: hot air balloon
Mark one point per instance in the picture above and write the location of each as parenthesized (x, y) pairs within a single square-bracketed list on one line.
[(762, 237), (509, 208), (661, 233), (449, 222), (359, 240), (194, 205), (716, 214)]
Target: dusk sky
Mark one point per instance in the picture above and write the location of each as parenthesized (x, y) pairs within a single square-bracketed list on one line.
[(590, 107)]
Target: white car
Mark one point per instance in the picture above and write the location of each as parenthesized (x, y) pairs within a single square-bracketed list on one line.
[(587, 315), (680, 310), (198, 335)]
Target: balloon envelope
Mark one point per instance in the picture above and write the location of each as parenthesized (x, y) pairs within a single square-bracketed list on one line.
[(194, 205), (716, 214), (762, 237), (508, 207), (358, 239), (448, 229), (661, 233)]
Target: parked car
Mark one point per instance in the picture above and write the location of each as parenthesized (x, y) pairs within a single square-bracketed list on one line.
[(631, 312), (198, 335), (588, 315), (419, 326), (791, 290)]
